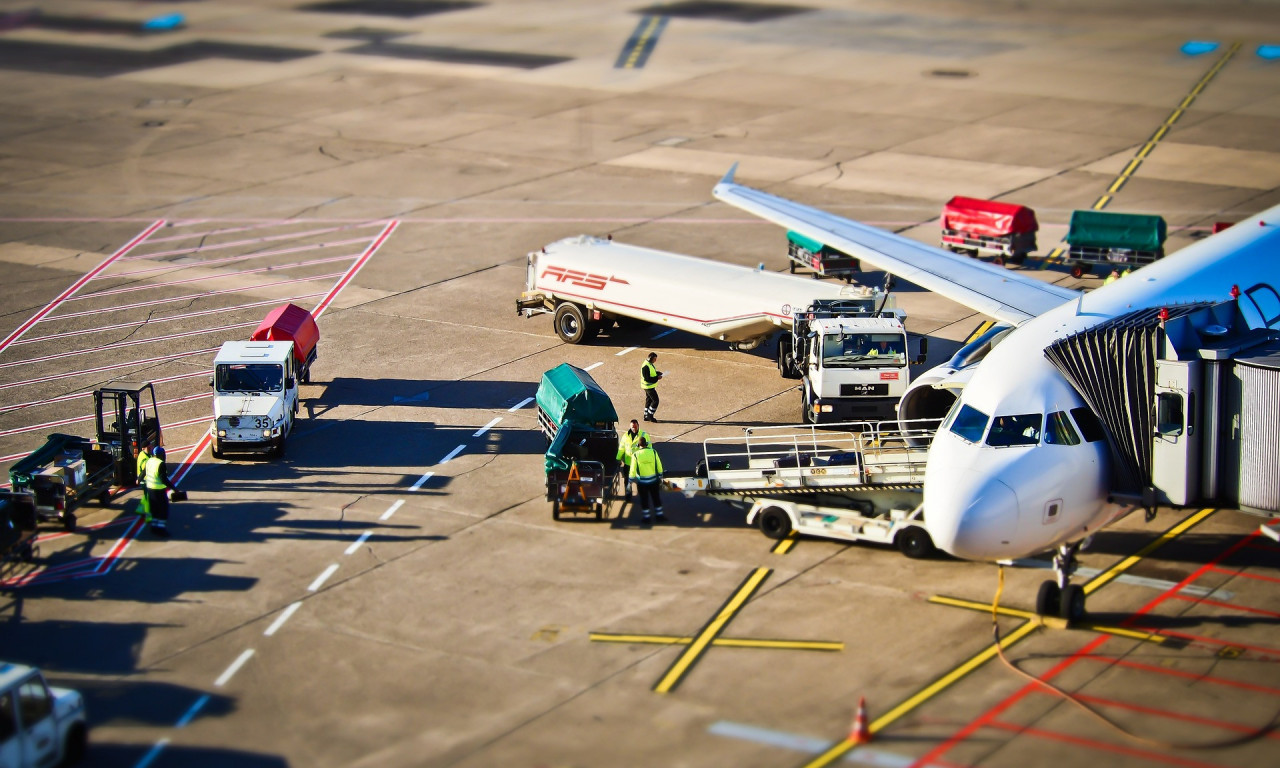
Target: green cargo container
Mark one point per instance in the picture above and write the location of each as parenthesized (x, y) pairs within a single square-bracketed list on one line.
[(570, 394), (1117, 231)]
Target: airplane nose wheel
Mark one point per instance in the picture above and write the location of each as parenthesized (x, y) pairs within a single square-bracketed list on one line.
[(1061, 597)]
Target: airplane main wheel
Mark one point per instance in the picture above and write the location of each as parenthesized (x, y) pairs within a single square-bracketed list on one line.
[(775, 523), (1071, 604), (1049, 599)]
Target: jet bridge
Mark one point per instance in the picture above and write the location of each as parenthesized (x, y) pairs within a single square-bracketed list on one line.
[(1173, 386)]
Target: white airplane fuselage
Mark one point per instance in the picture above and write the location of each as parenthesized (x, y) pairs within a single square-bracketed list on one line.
[(985, 502)]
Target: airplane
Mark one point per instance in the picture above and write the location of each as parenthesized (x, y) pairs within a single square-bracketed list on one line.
[(1002, 482)]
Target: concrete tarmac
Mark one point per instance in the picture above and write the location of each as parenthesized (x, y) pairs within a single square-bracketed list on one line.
[(394, 591)]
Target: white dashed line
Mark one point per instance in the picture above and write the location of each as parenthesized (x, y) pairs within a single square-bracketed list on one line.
[(153, 753), (665, 333), (392, 509), (487, 427), (520, 405), (356, 544), (282, 618), (593, 366), (225, 677), (322, 578), (425, 477), (452, 453), (625, 351)]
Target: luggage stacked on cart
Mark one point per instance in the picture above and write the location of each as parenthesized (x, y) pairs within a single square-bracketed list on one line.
[(577, 418), (1004, 231), (64, 473), (1122, 240), (824, 260)]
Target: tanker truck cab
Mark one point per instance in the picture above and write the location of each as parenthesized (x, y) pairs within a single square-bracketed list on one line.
[(255, 397), (856, 369)]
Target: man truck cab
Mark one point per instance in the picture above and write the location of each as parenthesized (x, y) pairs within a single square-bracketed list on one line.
[(255, 397)]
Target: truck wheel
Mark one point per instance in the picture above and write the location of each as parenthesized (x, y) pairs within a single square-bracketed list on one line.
[(217, 451), (998, 261), (775, 523), (1018, 258), (914, 542), (1078, 271), (555, 509), (277, 450), (75, 747), (571, 325)]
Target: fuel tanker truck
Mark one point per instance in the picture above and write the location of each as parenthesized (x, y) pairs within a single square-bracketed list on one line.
[(847, 343)]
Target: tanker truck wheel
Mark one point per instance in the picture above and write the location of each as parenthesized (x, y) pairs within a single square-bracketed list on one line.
[(570, 322)]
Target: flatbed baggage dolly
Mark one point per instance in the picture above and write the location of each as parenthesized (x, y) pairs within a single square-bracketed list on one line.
[(1003, 231), (1117, 240), (577, 419)]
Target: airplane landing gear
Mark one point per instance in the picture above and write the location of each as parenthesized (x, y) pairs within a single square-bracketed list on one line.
[(1061, 597)]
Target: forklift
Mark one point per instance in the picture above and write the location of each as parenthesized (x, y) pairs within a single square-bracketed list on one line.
[(68, 471)]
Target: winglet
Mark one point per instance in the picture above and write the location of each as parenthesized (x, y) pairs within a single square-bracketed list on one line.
[(728, 177)]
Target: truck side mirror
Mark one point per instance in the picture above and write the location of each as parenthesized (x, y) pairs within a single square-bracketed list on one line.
[(289, 383), (211, 381), (924, 350)]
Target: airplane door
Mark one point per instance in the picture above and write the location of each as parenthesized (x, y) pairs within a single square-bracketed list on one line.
[(1175, 451)]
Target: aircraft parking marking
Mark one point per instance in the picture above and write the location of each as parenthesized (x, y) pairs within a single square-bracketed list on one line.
[(721, 642), (520, 405), (178, 266), (593, 366), (322, 578), (784, 546), (231, 671), (486, 427), (1132, 166), (282, 618), (667, 332), (391, 510), (955, 602), (351, 550)]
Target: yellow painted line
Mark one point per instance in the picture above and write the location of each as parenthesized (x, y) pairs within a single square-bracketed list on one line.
[(640, 44), (719, 642), (784, 546), (973, 605), (982, 657), (981, 329), (687, 659)]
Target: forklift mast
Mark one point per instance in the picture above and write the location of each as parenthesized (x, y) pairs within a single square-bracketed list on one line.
[(127, 420)]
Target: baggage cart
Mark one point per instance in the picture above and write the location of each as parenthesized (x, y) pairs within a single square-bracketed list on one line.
[(824, 260), (64, 473), (1120, 240), (577, 419), (1003, 231)]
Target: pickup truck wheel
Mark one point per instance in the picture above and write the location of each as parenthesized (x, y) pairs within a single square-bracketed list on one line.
[(914, 542), (775, 523), (570, 323), (77, 744)]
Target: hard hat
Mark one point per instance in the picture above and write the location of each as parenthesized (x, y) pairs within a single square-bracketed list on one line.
[(159, 452)]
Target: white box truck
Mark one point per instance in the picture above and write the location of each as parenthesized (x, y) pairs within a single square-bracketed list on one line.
[(255, 397)]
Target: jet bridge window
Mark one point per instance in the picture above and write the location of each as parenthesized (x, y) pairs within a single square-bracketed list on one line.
[(1089, 425), (1058, 430), (1023, 429), (1266, 301), (969, 423)]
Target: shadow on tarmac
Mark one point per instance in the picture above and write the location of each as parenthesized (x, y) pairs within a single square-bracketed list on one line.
[(112, 755), (141, 703)]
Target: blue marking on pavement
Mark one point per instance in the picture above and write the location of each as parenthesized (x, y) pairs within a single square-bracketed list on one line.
[(1199, 47), (191, 713), (1269, 52)]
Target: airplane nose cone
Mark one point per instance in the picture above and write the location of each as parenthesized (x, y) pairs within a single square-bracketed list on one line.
[(977, 521)]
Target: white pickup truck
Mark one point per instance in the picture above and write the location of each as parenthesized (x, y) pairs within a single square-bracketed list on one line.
[(40, 725), (255, 397)]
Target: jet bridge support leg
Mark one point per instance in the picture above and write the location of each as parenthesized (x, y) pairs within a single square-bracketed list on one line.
[(1060, 597)]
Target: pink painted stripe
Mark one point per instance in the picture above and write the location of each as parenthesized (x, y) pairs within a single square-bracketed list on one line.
[(79, 395), (251, 241), (188, 297), (1102, 746), (103, 368), (64, 571), (1167, 714), (206, 278), (167, 319), (190, 461), (90, 417), (176, 267), (135, 342), (77, 285), (355, 268)]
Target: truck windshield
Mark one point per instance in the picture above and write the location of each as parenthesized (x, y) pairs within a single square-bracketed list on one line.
[(863, 350), (250, 377)]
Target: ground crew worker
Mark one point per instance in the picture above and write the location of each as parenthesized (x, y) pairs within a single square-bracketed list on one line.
[(157, 485), (1111, 278), (646, 468), (144, 454), (628, 444), (649, 376)]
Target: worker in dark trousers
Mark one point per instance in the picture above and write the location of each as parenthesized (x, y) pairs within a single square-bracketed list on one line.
[(144, 454), (649, 376), (646, 468), (157, 485), (628, 444)]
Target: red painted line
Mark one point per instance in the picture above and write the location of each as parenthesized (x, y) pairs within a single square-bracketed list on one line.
[(85, 394), (77, 285), (90, 417), (100, 369), (1257, 576), (133, 343), (237, 243), (178, 267), (355, 268), (190, 461), (205, 278), (212, 232), (95, 527), (1262, 651), (120, 546), (188, 297), (158, 320), (1102, 746), (1220, 604), (1168, 714)]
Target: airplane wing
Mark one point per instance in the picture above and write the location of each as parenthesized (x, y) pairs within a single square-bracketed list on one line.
[(1007, 296)]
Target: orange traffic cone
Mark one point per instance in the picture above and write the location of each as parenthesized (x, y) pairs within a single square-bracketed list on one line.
[(859, 734)]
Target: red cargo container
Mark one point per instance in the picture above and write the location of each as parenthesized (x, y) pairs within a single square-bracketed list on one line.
[(289, 322), (971, 225)]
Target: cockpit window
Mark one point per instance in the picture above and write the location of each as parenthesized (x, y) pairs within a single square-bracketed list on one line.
[(969, 423), (1023, 429), (1058, 430), (1089, 425)]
